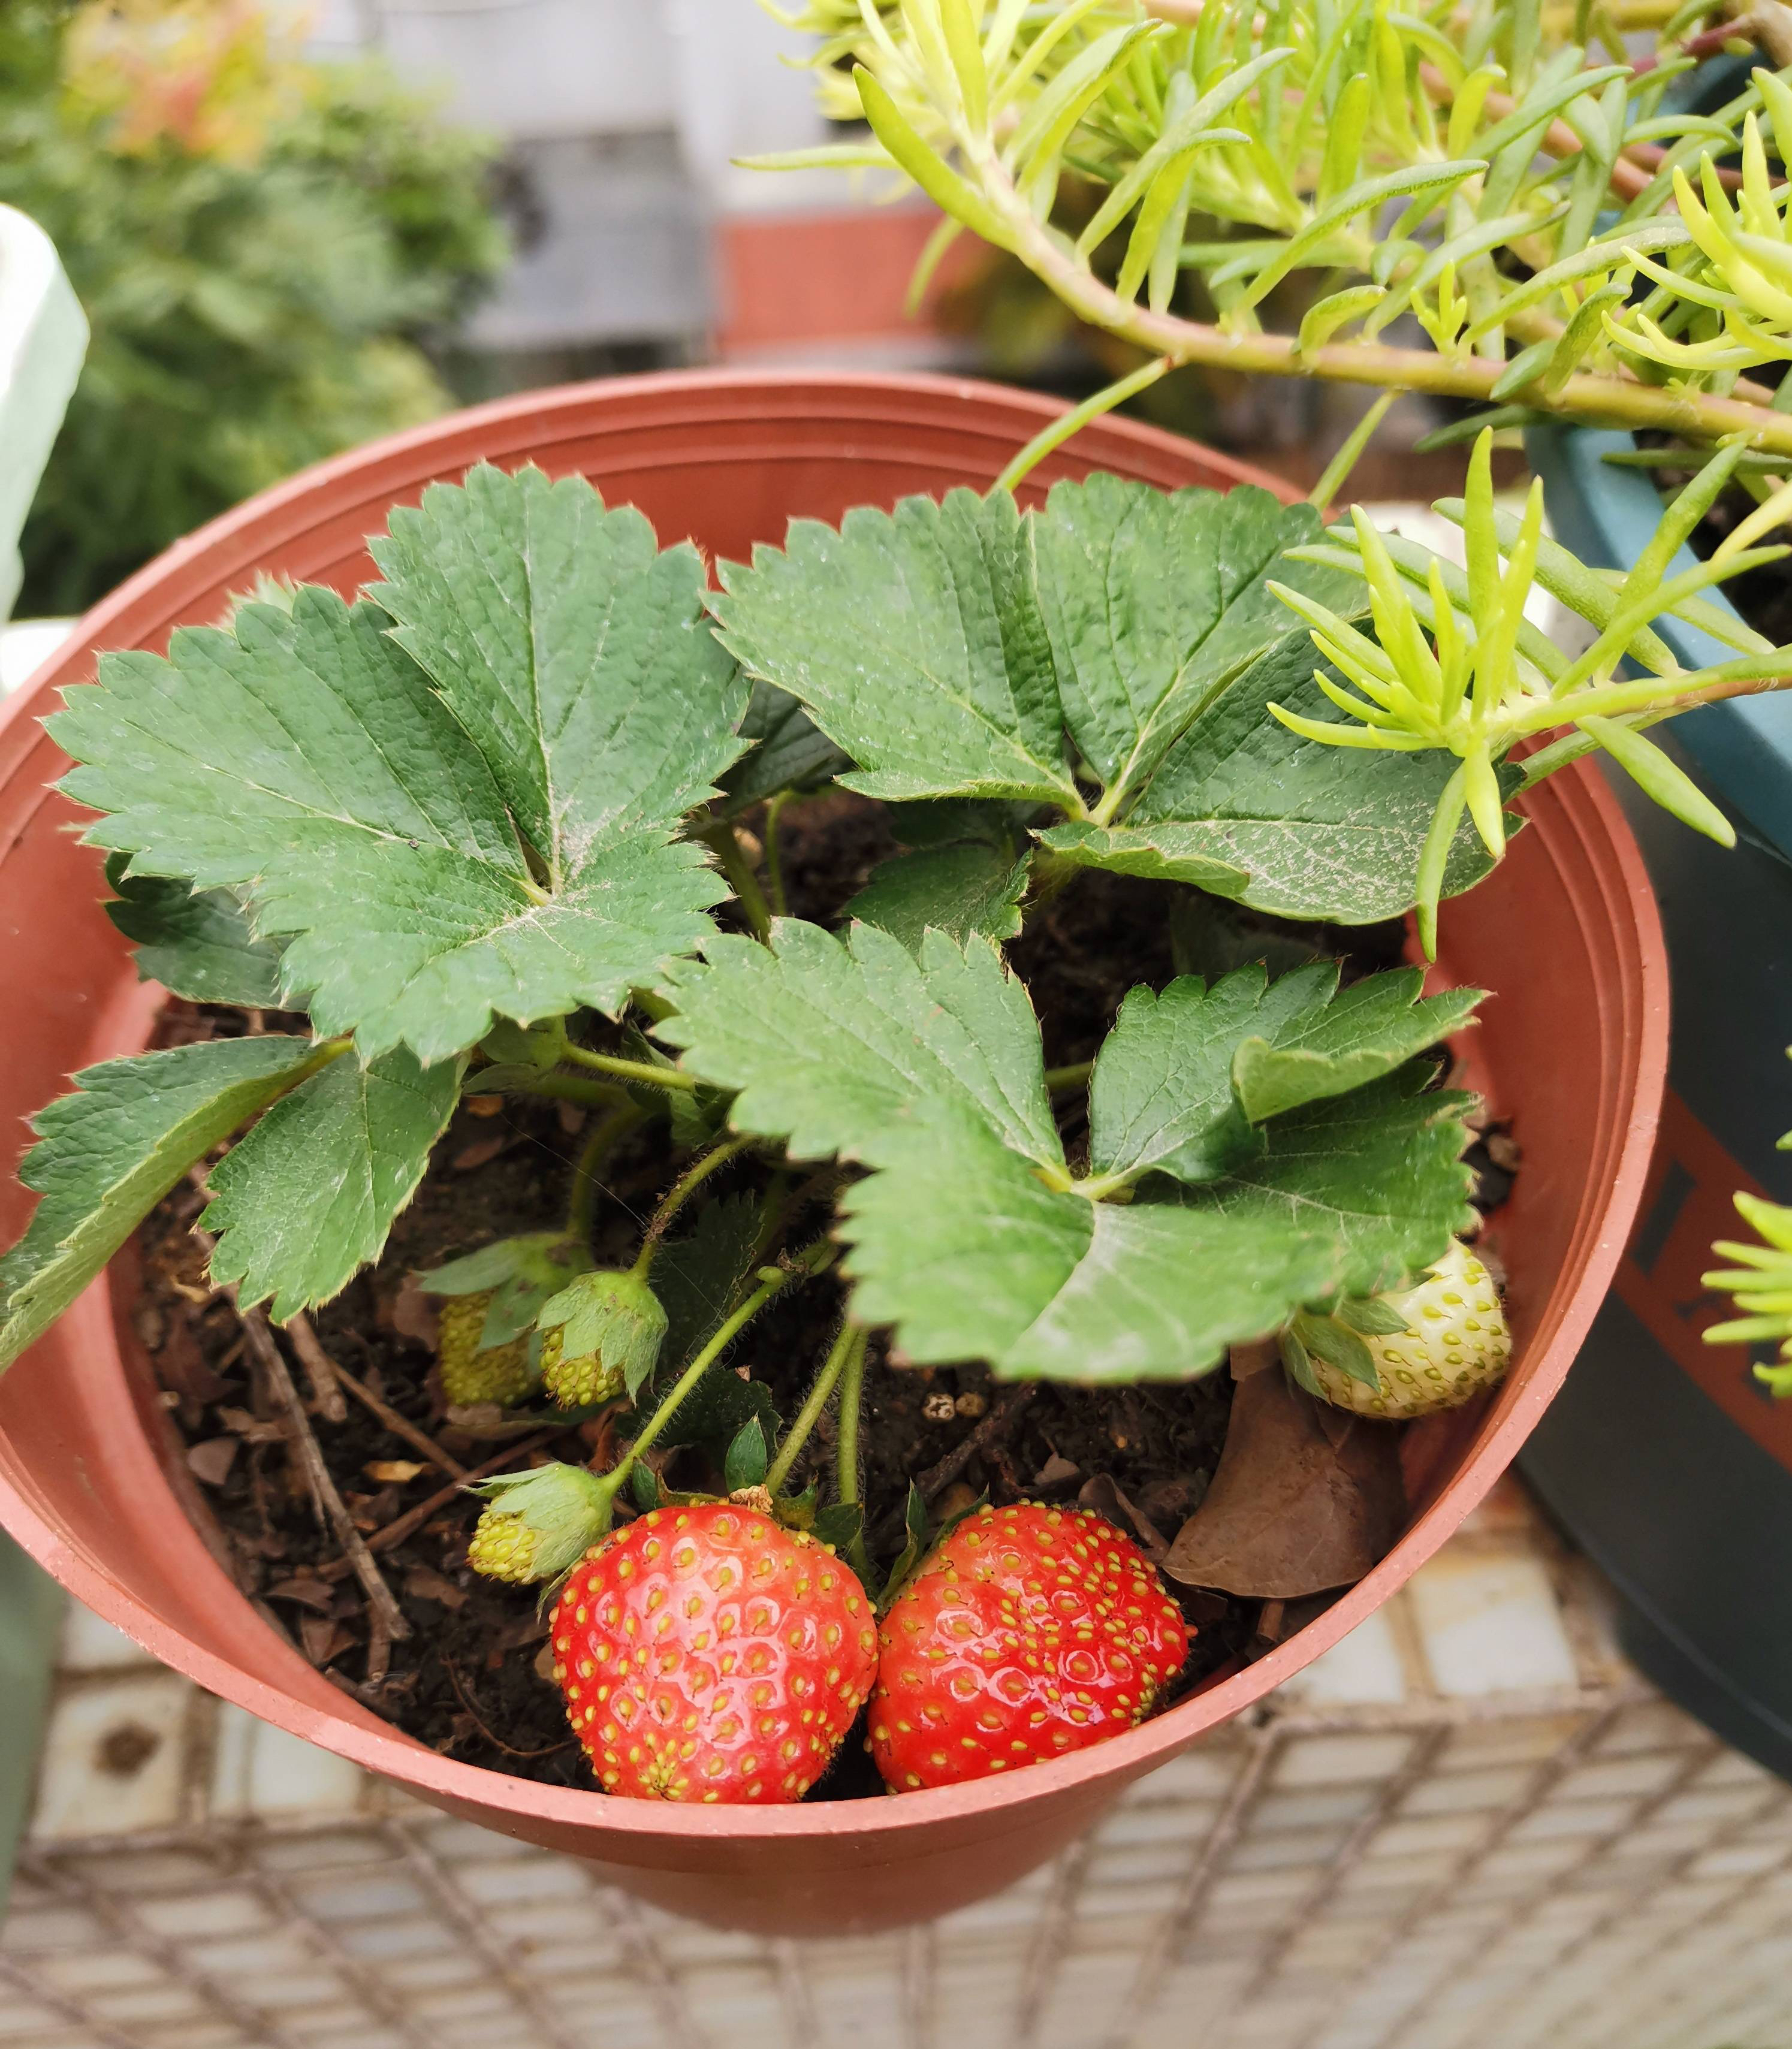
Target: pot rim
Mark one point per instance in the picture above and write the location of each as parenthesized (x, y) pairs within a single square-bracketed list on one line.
[(353, 1733)]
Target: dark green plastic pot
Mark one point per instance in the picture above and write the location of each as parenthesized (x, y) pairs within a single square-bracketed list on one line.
[(1663, 1457)]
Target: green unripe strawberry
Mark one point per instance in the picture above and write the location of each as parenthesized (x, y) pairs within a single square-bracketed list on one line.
[(1455, 1344), (538, 1523), (602, 1335), (500, 1373), (491, 1298), (582, 1382)]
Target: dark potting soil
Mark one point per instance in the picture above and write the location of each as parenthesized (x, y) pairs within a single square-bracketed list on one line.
[(469, 1679)]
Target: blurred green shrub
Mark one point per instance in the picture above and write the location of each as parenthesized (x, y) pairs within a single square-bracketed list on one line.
[(260, 242)]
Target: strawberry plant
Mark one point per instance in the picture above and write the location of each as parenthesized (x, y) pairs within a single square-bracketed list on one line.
[(515, 834)]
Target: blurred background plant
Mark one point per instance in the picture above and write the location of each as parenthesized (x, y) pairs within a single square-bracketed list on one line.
[(264, 246)]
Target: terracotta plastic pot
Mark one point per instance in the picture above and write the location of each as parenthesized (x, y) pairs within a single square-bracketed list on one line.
[(1573, 1048)]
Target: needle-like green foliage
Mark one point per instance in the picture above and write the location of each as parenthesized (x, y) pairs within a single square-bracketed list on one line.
[(1506, 188), (1446, 659)]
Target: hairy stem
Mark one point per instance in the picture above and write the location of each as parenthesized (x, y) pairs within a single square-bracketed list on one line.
[(630, 1071), (846, 1447), (775, 852), (680, 1192), (606, 1135), (850, 1338), (720, 836), (772, 1282)]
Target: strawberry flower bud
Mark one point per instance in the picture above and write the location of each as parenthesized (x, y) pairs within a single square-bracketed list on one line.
[(603, 1335), (539, 1524)]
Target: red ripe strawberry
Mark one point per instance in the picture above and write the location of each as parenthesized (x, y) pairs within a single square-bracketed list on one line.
[(1029, 1632), (709, 1654)]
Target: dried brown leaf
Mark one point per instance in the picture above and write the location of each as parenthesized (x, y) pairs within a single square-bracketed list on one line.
[(1290, 1512), (394, 1472)]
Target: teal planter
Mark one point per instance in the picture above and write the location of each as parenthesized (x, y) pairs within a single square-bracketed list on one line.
[(1663, 1457)]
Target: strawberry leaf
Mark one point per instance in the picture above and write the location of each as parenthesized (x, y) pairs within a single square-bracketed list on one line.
[(197, 943), (789, 751), (1153, 599), (495, 837), (966, 872), (1365, 1030), (1338, 837), (915, 641), (109, 1152), (957, 649), (968, 887), (972, 1237), (1184, 1076), (307, 1197)]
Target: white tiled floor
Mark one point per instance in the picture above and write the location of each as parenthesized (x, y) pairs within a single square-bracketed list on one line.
[(1469, 1827)]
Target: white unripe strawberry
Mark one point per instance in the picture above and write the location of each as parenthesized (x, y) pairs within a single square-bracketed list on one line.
[(1456, 1344)]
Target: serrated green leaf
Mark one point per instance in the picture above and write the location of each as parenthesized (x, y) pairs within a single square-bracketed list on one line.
[(971, 1237), (1318, 832), (827, 1043), (915, 641), (840, 1526), (954, 651), (197, 943), (749, 1456), (959, 889), (788, 752), (308, 1196), (109, 1152), (1161, 1096), (575, 697), (1370, 1029), (1151, 600), (643, 1484), (715, 1408)]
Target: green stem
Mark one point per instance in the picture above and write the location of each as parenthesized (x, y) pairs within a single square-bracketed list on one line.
[(1571, 746), (720, 836), (772, 1281), (582, 1210), (561, 1088), (851, 1337), (1059, 1081), (775, 852), (1615, 400), (632, 1071), (680, 1192), (846, 1447)]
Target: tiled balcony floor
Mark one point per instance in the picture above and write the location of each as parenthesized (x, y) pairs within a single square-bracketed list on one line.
[(1469, 1827)]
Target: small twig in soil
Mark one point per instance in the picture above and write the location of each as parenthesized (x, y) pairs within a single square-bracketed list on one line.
[(321, 1369), (413, 1519), (401, 1426), (497, 1743), (381, 1601), (998, 1425)]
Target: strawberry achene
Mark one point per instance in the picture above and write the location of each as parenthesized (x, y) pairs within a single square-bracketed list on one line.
[(1030, 1632), (708, 1654)]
